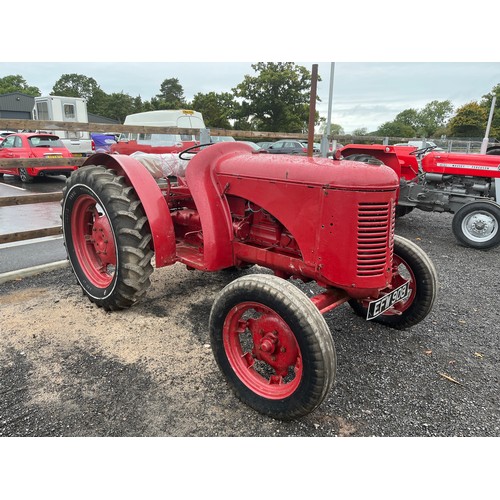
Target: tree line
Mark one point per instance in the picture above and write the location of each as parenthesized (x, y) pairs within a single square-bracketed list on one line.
[(439, 119), (275, 99)]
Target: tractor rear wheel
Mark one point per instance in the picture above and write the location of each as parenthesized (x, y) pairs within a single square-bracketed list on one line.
[(410, 263), (364, 158), (107, 237), (477, 225), (273, 346)]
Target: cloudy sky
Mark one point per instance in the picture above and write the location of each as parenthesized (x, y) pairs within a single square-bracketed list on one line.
[(386, 59), (365, 94)]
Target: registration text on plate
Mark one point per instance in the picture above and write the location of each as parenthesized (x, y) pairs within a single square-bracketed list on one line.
[(379, 306)]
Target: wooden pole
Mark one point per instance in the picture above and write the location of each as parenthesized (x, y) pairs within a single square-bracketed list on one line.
[(312, 110)]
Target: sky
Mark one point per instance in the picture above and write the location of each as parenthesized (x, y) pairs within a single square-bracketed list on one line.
[(365, 94)]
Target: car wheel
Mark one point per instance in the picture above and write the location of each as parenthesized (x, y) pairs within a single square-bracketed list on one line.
[(25, 177)]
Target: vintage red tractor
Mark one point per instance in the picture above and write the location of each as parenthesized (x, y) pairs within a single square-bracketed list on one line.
[(467, 185), (309, 219)]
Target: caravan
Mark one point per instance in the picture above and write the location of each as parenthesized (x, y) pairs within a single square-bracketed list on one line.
[(70, 110), (129, 143)]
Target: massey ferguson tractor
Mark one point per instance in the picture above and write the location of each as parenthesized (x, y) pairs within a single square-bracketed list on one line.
[(466, 185), (310, 219)]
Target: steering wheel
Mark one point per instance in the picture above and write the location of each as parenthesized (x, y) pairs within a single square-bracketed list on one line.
[(197, 146), (423, 151)]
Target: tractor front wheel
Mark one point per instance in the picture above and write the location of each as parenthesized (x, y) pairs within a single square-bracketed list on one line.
[(107, 237), (477, 225), (273, 346), (410, 263)]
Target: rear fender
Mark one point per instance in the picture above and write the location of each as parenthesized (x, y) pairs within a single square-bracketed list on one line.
[(386, 155), (153, 202), (211, 203)]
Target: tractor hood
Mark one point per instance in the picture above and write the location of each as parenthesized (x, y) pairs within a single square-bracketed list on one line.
[(318, 172)]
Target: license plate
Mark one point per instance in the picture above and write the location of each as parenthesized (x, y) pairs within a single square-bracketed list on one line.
[(53, 156), (77, 154), (379, 306)]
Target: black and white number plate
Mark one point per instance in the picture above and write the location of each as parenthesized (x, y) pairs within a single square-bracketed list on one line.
[(379, 306)]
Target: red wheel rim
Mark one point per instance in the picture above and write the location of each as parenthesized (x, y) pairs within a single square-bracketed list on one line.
[(262, 350), (401, 273), (93, 241)]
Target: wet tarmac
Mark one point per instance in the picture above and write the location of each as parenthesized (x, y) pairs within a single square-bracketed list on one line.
[(25, 254), (32, 216)]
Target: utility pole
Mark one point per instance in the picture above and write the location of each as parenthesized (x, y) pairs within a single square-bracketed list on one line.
[(312, 110)]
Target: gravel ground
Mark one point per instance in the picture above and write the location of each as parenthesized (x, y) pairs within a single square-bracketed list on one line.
[(67, 368)]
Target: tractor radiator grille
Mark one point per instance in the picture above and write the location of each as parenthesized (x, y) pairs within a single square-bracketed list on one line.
[(375, 235)]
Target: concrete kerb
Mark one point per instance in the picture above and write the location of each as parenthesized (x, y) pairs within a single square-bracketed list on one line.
[(32, 271)]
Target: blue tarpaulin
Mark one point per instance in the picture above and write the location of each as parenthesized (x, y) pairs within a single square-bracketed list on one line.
[(103, 142)]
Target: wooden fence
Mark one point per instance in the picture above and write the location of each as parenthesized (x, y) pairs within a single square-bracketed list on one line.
[(8, 201), (16, 163), (12, 124)]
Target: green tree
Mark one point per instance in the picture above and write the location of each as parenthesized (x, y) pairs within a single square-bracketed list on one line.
[(277, 98), (217, 109), (16, 83), (98, 102), (486, 104), (74, 85), (360, 131), (469, 121), (409, 117), (433, 117), (171, 95), (395, 129), (335, 128), (244, 123), (118, 105)]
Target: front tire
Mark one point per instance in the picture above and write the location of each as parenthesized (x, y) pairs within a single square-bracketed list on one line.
[(411, 263), (107, 237), (477, 225), (273, 346)]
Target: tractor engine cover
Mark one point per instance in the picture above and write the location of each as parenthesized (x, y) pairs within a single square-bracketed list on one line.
[(462, 164), (340, 213)]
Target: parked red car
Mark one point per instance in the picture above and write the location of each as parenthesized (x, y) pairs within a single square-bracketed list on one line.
[(32, 145)]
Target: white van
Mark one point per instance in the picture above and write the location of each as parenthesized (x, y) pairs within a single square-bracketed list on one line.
[(129, 143)]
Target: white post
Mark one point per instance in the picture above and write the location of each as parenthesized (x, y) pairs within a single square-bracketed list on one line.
[(484, 145), (324, 139)]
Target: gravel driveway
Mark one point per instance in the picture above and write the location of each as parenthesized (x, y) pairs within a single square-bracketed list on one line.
[(67, 368)]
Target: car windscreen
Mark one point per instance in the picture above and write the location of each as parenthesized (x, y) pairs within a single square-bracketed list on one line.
[(45, 141)]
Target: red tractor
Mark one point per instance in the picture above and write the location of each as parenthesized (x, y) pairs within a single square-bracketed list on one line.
[(467, 185), (309, 219)]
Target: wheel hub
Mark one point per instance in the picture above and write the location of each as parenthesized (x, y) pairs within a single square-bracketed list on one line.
[(102, 239), (274, 343), (480, 225)]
